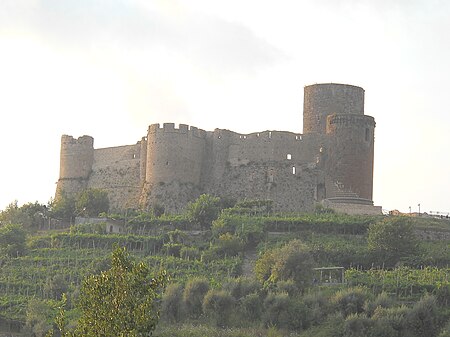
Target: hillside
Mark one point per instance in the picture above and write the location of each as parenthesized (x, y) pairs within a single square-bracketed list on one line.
[(287, 292)]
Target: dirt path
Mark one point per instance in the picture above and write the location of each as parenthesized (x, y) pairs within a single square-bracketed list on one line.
[(250, 257)]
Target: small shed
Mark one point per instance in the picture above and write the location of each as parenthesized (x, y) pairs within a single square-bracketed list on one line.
[(329, 275)]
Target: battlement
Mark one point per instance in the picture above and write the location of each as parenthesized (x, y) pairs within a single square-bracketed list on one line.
[(83, 140), (347, 119), (263, 135), (182, 129)]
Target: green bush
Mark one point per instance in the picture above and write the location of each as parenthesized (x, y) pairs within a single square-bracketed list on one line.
[(171, 303), (241, 286), (350, 301), (218, 305), (194, 292), (250, 307), (284, 312), (422, 319), (12, 240), (357, 325)]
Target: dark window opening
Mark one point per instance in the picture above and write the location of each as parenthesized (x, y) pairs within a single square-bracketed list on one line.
[(367, 134)]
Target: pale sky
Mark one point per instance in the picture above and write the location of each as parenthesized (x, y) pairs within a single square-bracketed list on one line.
[(109, 68)]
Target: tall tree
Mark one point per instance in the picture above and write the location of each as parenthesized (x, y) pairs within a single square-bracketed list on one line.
[(12, 240), (392, 239), (92, 202), (120, 301), (203, 210)]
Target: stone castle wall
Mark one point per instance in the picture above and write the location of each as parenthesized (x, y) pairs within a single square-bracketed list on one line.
[(174, 165)]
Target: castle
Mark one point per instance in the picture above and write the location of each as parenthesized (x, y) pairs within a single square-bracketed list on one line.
[(332, 161)]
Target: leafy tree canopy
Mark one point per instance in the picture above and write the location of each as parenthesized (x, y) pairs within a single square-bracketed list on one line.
[(91, 202), (290, 262), (30, 215), (204, 210), (12, 240), (122, 301), (392, 239)]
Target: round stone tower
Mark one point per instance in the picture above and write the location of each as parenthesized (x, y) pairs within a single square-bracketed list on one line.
[(350, 153), (322, 100), (174, 165), (76, 159), (335, 113)]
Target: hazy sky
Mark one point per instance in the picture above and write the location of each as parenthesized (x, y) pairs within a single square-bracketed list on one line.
[(109, 68)]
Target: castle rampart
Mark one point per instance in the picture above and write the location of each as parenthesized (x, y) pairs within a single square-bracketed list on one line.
[(172, 165)]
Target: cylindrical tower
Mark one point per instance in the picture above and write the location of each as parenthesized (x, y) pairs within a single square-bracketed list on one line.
[(321, 100), (76, 159), (350, 153), (174, 154), (143, 158)]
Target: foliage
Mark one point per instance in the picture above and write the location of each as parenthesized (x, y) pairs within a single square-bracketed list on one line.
[(63, 207), (172, 299), (12, 240), (403, 281), (422, 319), (30, 215), (285, 312), (125, 294), (39, 316), (55, 286), (194, 292), (392, 239), (91, 202), (290, 262), (218, 305), (350, 301), (204, 210)]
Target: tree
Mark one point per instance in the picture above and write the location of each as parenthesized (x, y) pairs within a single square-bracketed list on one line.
[(121, 301), (91, 202), (30, 215), (392, 239), (12, 240), (204, 210), (38, 319), (63, 207), (290, 262)]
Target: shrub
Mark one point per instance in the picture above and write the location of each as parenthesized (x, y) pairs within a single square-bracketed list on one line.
[(422, 319), (171, 303), (218, 305), (194, 292), (284, 312), (241, 287), (350, 301), (382, 300), (250, 307), (357, 325)]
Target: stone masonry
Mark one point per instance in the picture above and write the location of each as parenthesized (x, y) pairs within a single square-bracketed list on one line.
[(170, 166)]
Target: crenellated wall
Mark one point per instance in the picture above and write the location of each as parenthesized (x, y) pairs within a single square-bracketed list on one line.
[(174, 165)]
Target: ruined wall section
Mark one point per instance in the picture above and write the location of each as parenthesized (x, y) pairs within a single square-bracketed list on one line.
[(76, 159), (274, 165), (350, 155), (174, 165), (322, 100), (117, 171)]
